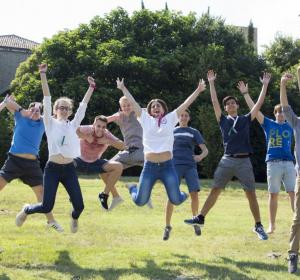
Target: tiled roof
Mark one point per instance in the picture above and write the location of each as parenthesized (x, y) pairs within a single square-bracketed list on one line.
[(13, 41)]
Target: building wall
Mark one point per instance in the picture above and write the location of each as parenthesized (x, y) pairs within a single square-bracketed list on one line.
[(9, 61)]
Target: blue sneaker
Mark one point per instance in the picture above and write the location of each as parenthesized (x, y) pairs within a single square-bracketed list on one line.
[(259, 230), (198, 221)]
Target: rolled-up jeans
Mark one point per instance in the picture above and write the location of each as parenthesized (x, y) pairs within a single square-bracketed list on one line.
[(53, 175), (152, 171)]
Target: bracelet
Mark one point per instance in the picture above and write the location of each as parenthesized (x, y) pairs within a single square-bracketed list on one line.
[(42, 72), (93, 86), (244, 93)]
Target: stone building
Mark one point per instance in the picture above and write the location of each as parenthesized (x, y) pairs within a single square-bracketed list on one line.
[(13, 51)]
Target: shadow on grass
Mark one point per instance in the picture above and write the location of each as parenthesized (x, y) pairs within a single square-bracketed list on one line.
[(150, 270), (4, 276)]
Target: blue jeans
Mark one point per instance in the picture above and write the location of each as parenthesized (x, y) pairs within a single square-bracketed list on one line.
[(152, 172), (53, 175)]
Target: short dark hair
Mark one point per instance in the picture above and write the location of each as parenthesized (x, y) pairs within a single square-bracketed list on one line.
[(161, 102), (32, 105), (101, 118), (229, 97)]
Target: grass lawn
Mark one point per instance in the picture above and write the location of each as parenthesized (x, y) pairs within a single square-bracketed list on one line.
[(127, 242)]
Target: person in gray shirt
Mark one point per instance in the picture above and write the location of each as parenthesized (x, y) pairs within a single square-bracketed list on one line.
[(294, 121)]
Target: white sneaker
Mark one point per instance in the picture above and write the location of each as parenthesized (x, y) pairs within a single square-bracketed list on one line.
[(130, 185), (149, 203), (74, 224), (21, 216), (55, 225), (115, 202)]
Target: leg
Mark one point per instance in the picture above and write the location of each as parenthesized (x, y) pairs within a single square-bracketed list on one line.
[(38, 191), (169, 212), (70, 181), (3, 183), (194, 203), (113, 170), (148, 177), (292, 200), (210, 200), (253, 204), (273, 205), (169, 178), (113, 190)]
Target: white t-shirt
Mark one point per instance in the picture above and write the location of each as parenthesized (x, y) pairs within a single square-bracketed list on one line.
[(61, 135), (158, 139)]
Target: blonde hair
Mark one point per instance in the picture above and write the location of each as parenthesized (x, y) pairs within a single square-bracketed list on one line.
[(123, 98), (64, 99)]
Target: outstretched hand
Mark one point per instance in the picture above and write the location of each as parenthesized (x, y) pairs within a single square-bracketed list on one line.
[(201, 86), (211, 75), (91, 81), (265, 79), (286, 77), (43, 68), (120, 83), (243, 88)]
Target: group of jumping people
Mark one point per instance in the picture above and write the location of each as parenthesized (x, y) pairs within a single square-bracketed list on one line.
[(152, 139)]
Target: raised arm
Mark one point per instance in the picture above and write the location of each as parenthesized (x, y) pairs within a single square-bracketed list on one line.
[(88, 94), (113, 117), (265, 82), (43, 70), (290, 116), (136, 107), (211, 76), (3, 103), (204, 153), (283, 96), (243, 88), (298, 76), (191, 98)]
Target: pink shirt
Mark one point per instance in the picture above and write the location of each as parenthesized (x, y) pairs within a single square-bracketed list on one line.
[(90, 152)]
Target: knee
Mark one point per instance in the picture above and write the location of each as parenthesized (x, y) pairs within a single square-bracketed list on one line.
[(47, 208)]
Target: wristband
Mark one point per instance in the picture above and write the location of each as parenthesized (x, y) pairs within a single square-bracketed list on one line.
[(93, 86), (244, 93)]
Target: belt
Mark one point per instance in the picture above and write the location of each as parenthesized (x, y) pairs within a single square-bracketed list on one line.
[(238, 156)]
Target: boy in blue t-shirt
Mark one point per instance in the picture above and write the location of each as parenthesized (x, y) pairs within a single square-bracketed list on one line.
[(22, 160), (185, 161), (279, 158), (237, 150)]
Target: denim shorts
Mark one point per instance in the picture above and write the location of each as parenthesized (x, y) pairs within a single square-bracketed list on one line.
[(281, 172), (95, 167), (27, 170), (229, 167), (190, 174)]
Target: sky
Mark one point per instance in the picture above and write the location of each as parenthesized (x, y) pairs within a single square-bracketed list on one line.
[(37, 19)]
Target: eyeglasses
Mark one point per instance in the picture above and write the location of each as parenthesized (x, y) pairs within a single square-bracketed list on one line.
[(64, 108)]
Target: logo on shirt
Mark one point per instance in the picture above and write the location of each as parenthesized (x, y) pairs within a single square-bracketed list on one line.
[(276, 138)]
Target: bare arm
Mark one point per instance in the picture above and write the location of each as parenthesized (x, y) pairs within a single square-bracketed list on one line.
[(298, 76), (118, 144), (3, 103), (113, 118), (283, 96), (243, 88), (86, 136), (211, 76), (136, 107), (255, 109), (88, 94), (191, 98), (204, 153)]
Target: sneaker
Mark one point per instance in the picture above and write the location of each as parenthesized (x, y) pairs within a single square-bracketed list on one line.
[(21, 216), (115, 202), (167, 232), (74, 225), (129, 186), (259, 230), (149, 203), (55, 225), (293, 262), (103, 200), (198, 221), (197, 230)]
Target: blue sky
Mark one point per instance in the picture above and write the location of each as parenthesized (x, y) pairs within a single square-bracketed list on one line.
[(36, 19)]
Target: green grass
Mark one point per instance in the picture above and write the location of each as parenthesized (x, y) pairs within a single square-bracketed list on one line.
[(127, 242)]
